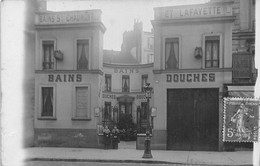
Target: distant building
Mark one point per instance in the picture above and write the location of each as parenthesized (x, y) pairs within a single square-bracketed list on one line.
[(137, 44)]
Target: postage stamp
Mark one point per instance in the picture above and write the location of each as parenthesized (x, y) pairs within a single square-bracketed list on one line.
[(241, 120)]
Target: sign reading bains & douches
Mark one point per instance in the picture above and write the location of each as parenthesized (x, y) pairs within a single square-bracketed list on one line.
[(71, 17)]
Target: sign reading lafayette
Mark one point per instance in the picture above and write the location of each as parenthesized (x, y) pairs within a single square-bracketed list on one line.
[(67, 17), (192, 11), (241, 120)]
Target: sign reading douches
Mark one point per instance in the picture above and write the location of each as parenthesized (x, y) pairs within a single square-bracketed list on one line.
[(68, 17), (192, 11), (191, 77)]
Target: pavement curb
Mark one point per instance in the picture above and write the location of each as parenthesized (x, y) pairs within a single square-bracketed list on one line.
[(125, 161)]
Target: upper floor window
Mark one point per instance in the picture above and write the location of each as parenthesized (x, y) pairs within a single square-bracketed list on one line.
[(82, 54), (212, 51), (172, 53), (125, 83), (48, 54), (149, 58), (150, 42), (108, 82), (144, 81)]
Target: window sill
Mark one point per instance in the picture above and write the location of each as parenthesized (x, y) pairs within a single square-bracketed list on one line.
[(80, 119), (47, 118)]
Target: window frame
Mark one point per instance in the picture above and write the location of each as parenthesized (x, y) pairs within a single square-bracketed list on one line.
[(128, 88), (74, 105), (110, 111), (76, 53), (42, 53), (143, 76), (204, 36), (164, 51), (110, 88), (53, 117)]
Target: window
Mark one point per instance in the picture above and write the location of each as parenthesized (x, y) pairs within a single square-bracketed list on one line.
[(48, 54), (172, 53), (47, 108), (108, 82), (82, 54), (212, 52), (144, 81), (125, 83), (150, 43), (82, 103), (149, 58), (107, 111)]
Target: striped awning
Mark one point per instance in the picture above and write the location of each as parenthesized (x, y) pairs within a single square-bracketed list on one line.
[(241, 91)]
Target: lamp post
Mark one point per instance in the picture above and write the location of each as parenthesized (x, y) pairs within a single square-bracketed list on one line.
[(147, 142)]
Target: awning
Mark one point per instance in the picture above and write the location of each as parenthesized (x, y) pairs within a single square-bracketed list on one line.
[(241, 91), (125, 98)]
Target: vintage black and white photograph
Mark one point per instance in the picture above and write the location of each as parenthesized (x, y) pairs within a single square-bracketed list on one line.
[(129, 82)]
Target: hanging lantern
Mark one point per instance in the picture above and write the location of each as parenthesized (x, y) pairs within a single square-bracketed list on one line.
[(198, 52), (58, 55)]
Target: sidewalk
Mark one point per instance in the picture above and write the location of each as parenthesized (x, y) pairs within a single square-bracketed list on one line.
[(135, 156)]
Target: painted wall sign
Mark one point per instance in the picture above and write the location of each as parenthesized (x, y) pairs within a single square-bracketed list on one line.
[(64, 78), (126, 70), (191, 77), (67, 17), (109, 96), (192, 11), (241, 120)]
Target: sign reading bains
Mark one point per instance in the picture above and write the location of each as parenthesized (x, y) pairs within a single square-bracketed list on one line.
[(241, 120)]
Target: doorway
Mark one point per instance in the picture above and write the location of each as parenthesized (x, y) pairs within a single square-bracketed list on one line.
[(192, 119)]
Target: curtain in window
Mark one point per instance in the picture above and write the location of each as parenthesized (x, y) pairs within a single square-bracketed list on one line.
[(108, 83), (208, 54), (48, 55), (172, 52), (83, 51), (215, 54), (47, 101), (212, 53), (125, 84)]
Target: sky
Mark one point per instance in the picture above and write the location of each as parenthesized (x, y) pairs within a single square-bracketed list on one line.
[(118, 15)]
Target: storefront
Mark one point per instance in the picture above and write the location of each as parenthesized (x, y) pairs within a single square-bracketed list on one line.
[(193, 61)]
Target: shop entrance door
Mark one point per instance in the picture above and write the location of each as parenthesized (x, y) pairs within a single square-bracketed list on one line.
[(192, 119)]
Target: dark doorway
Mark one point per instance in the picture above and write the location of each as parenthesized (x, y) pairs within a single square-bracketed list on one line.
[(192, 119)]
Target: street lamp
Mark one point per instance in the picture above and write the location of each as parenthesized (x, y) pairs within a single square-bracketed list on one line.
[(147, 142)]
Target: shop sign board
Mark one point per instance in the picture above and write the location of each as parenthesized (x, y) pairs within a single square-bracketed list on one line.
[(72, 17), (241, 65), (241, 120), (192, 11)]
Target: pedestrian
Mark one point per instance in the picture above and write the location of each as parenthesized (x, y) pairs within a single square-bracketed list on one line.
[(106, 134), (115, 138)]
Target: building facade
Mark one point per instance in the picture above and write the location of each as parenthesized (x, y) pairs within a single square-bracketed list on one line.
[(68, 77), (197, 53)]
